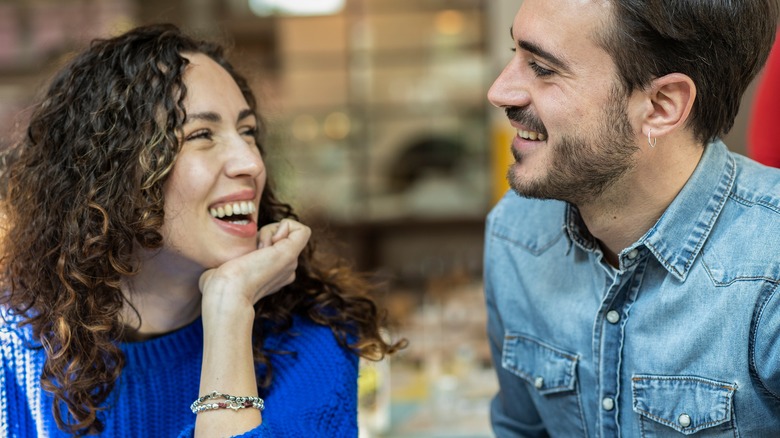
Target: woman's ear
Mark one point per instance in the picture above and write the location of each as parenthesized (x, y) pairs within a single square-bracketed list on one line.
[(671, 100)]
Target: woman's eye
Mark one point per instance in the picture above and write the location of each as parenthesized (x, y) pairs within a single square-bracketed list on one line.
[(202, 134), (249, 132), (539, 70)]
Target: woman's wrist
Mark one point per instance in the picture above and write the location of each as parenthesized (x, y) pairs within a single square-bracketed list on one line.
[(225, 306)]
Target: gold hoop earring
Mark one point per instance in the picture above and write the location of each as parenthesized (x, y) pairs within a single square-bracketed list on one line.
[(652, 142)]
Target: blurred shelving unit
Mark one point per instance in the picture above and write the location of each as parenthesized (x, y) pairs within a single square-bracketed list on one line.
[(387, 110), (37, 36)]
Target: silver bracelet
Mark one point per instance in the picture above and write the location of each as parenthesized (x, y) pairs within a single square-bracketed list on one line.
[(230, 402)]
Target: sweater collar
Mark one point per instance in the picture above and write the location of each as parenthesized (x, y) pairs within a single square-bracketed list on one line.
[(168, 348)]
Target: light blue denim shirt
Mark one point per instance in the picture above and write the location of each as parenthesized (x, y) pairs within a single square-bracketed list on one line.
[(682, 339)]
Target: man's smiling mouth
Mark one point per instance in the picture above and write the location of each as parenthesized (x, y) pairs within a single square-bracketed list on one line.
[(531, 135)]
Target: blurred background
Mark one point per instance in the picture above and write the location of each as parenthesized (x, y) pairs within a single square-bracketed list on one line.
[(382, 139)]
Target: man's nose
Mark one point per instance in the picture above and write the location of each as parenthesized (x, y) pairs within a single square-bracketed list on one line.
[(510, 87)]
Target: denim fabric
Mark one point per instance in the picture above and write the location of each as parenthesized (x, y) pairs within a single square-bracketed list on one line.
[(683, 338)]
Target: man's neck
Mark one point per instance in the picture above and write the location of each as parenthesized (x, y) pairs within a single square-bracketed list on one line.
[(626, 211)]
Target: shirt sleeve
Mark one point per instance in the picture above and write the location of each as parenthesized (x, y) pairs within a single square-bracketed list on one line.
[(766, 344), (332, 415), (3, 391), (512, 411), (313, 393), (260, 431)]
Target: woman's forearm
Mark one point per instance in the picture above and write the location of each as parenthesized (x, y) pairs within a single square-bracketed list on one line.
[(228, 367)]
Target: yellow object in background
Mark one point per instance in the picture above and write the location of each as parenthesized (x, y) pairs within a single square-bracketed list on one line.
[(502, 134), (368, 382), (374, 397)]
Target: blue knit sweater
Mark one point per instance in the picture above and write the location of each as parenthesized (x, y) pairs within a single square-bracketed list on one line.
[(313, 392)]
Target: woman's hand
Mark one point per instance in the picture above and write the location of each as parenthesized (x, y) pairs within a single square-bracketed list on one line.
[(234, 287), (229, 293)]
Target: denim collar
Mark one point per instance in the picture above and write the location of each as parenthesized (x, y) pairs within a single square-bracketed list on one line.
[(679, 235)]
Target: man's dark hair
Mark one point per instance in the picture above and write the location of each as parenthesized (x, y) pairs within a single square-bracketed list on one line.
[(720, 44)]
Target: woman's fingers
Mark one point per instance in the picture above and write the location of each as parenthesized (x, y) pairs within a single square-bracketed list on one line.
[(282, 231), (266, 234), (266, 270), (289, 239), (273, 233), (292, 236)]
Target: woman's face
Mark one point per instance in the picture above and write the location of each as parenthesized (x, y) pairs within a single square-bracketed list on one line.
[(213, 192)]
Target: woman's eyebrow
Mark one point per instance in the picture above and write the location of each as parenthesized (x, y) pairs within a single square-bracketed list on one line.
[(210, 116), (207, 116), (245, 113)]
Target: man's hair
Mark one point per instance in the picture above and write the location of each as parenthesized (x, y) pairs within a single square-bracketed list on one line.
[(720, 44)]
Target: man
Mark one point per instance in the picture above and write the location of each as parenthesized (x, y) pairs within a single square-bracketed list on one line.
[(633, 285)]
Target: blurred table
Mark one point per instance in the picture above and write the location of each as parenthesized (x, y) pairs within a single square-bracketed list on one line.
[(442, 383)]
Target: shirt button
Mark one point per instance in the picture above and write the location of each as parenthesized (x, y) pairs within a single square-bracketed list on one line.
[(684, 420), (613, 317), (632, 254), (539, 382), (608, 403)]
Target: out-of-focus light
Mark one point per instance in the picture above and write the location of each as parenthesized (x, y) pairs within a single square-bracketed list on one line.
[(305, 128), (337, 126), (295, 7), (449, 22)]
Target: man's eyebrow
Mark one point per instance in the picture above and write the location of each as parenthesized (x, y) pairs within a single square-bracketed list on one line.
[(214, 117), (554, 60)]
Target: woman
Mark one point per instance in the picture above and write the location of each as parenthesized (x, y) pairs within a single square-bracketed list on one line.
[(153, 284)]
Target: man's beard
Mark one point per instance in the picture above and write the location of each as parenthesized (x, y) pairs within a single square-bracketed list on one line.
[(580, 168)]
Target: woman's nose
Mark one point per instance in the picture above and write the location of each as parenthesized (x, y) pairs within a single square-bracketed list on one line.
[(244, 159)]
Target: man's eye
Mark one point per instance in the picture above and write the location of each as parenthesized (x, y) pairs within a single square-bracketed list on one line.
[(539, 70), (203, 134)]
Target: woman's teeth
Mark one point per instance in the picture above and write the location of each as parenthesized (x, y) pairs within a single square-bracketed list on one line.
[(531, 135), (231, 209)]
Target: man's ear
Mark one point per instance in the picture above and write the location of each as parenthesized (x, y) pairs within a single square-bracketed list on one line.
[(671, 99)]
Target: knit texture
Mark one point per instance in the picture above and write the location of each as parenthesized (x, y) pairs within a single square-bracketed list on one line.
[(313, 392)]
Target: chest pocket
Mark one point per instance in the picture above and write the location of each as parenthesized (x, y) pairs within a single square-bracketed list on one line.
[(546, 368), (687, 405), (551, 375)]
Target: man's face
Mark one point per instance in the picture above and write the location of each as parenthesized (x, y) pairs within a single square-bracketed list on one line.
[(560, 91)]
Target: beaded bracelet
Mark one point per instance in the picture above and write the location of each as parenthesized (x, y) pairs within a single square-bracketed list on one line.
[(231, 402)]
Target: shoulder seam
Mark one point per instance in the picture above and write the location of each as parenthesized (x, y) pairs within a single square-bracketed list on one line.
[(747, 202)]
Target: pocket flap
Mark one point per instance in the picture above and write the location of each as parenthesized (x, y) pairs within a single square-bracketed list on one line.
[(687, 404), (544, 367)]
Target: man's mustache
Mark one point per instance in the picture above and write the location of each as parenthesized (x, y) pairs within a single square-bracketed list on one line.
[(524, 116)]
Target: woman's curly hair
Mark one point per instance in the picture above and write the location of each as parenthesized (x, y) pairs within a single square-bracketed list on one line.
[(85, 187)]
